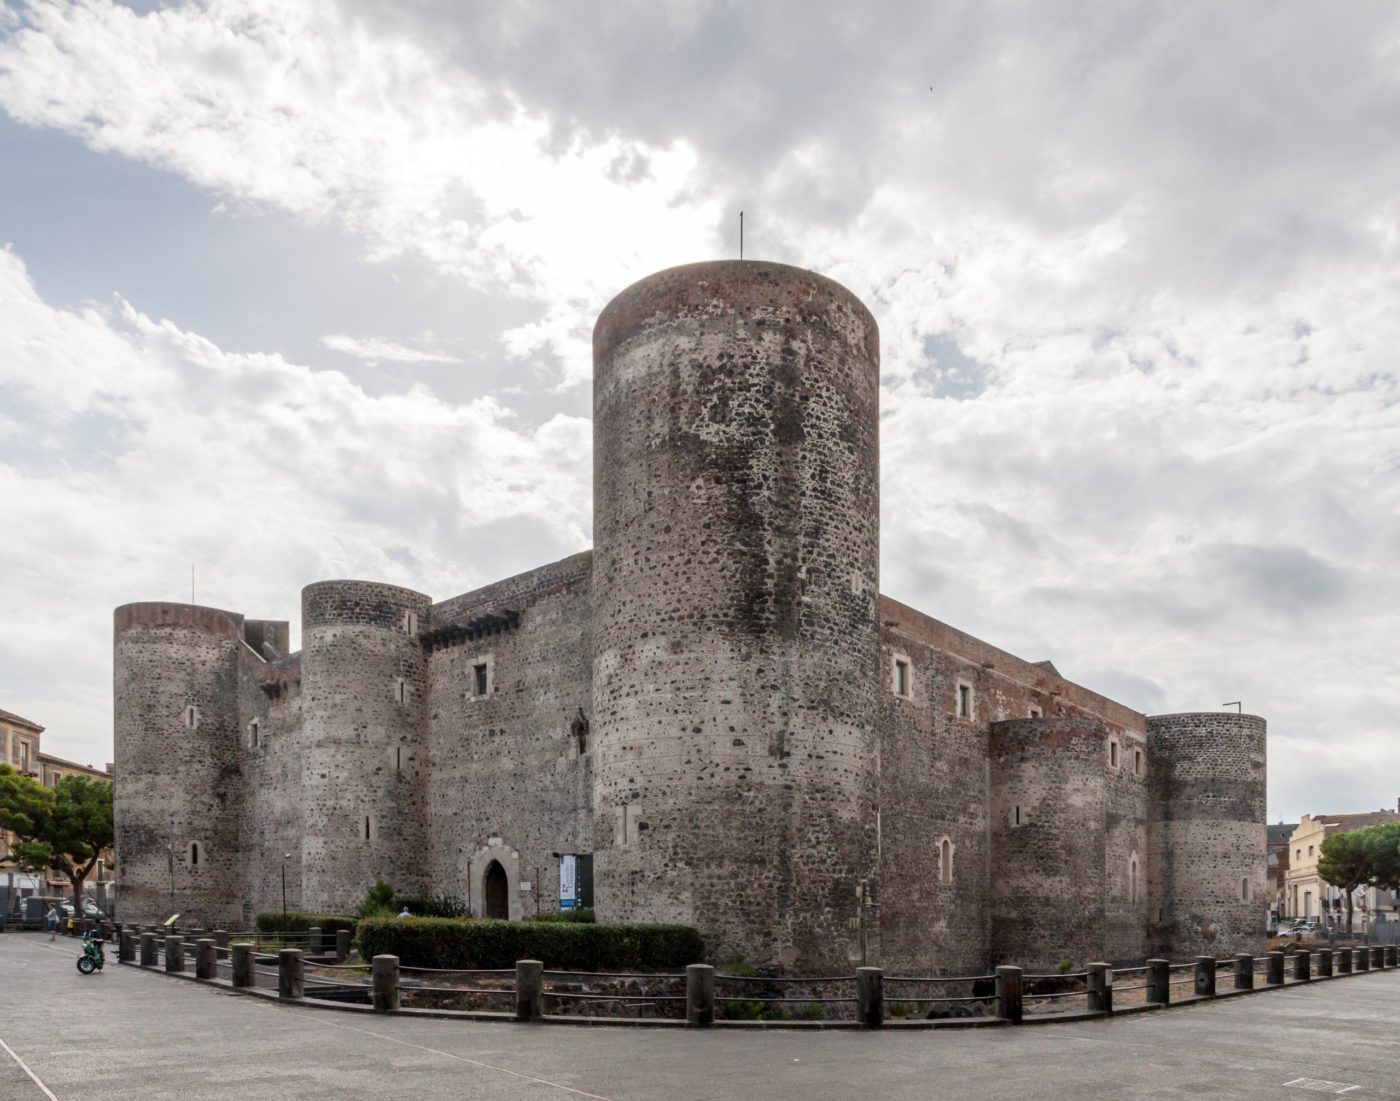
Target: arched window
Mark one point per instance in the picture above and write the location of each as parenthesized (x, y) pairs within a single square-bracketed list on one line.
[(195, 854), (945, 861)]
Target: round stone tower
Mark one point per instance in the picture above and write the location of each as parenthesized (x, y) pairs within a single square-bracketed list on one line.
[(736, 648), (1048, 785), (177, 752), (1208, 776), (362, 734)]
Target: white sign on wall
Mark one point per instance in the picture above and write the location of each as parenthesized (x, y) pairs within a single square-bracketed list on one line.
[(568, 882)]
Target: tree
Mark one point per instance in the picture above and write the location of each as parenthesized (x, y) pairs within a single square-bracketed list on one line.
[(78, 828), (25, 805), (1362, 858), (64, 828), (1345, 864)]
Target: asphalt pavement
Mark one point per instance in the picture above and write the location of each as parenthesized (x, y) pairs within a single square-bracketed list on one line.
[(129, 1034)]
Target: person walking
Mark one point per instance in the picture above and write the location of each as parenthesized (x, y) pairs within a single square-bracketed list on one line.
[(51, 920)]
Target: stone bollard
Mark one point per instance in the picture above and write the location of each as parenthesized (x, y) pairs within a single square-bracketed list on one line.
[(206, 959), (1342, 958), (244, 964), (126, 947), (1302, 966), (220, 938), (1205, 976), (1159, 982), (870, 997), (313, 941), (291, 983), (1324, 963), (1274, 975), (1244, 971), (148, 949), (1100, 983), (342, 944), (1363, 959), (529, 990), (699, 995), (1010, 1004), (174, 954), (384, 972)]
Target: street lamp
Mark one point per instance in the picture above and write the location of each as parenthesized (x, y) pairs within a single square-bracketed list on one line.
[(285, 858)]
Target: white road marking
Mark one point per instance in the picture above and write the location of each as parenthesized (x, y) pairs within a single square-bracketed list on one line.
[(1321, 1085), (464, 1059), (25, 1067)]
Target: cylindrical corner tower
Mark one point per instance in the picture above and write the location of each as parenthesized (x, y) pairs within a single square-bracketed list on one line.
[(362, 735), (178, 791), (736, 559), (1209, 833), (1049, 780)]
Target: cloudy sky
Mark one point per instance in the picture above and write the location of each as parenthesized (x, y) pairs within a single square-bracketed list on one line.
[(298, 289)]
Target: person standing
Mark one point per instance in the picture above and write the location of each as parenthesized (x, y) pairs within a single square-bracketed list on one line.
[(51, 920)]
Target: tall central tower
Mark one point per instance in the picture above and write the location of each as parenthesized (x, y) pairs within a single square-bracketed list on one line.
[(736, 634)]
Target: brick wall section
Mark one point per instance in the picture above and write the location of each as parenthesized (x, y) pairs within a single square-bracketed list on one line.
[(173, 780), (507, 778), (1209, 831), (736, 520), (354, 649)]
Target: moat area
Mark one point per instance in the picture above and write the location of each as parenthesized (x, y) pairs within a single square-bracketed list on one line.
[(124, 1034)]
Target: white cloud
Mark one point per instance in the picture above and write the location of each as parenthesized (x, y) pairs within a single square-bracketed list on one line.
[(375, 350), (262, 473)]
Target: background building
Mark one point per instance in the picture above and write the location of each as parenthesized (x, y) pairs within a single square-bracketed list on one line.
[(1308, 895), (20, 740), (715, 703)]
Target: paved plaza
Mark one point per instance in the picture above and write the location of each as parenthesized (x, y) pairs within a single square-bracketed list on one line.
[(128, 1034)]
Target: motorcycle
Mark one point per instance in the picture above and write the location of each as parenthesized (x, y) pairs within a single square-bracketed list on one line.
[(92, 958)]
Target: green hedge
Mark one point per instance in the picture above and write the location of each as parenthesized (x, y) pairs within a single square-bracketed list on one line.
[(456, 944), (299, 923)]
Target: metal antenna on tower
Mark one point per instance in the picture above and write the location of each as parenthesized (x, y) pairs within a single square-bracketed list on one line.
[(741, 235), (191, 584), (1238, 705)]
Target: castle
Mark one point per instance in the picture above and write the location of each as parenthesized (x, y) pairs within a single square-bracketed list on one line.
[(716, 703)]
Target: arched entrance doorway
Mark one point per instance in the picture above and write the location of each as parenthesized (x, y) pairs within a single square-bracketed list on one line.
[(497, 891)]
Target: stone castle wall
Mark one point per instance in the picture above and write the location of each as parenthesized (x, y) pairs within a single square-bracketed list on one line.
[(706, 702), (508, 778)]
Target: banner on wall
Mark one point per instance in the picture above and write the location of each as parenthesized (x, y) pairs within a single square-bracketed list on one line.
[(568, 881)]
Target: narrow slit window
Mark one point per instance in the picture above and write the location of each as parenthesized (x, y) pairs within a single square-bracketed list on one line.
[(1037, 713), (1133, 881), (481, 679), (367, 828), (398, 758), (410, 623), (901, 678), (194, 854), (1137, 762), (945, 861), (254, 734), (1016, 819), (964, 701), (1244, 889), (400, 690), (1112, 754), (191, 716)]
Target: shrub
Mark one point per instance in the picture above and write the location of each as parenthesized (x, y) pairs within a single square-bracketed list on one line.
[(465, 945), (441, 904), (297, 922), (379, 900), (583, 916)]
